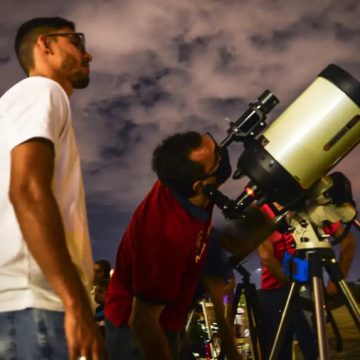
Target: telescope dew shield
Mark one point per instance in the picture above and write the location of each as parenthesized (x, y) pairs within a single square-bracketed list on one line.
[(319, 127), (308, 138)]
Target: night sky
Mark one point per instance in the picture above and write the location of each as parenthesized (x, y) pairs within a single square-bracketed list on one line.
[(163, 66)]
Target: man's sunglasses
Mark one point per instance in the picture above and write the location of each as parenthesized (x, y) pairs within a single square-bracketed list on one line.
[(76, 38)]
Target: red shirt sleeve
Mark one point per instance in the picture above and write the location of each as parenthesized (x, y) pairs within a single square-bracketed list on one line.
[(331, 228)]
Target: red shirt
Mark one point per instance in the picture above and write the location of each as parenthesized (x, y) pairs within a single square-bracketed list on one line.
[(160, 258), (281, 243)]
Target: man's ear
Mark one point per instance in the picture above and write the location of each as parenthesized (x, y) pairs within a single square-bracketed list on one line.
[(44, 42)]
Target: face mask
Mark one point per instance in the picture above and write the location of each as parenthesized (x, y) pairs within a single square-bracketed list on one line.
[(223, 172)]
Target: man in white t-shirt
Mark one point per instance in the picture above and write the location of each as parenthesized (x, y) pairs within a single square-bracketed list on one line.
[(45, 254)]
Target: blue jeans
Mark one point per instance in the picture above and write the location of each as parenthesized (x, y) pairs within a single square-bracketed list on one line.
[(120, 343), (32, 334)]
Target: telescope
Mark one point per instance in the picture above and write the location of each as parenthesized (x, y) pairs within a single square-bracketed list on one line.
[(309, 138), (289, 163)]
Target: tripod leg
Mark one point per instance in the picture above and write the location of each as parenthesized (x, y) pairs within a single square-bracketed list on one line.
[(251, 297), (294, 289), (256, 311), (320, 318), (350, 302), (337, 277)]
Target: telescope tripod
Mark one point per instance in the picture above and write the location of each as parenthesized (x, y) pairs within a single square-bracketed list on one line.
[(252, 308), (318, 259)]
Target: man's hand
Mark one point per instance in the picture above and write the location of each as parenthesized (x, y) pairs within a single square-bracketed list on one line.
[(83, 336)]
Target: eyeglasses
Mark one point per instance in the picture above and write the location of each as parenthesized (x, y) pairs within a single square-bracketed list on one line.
[(76, 38)]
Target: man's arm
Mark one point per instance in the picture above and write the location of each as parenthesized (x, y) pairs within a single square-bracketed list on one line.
[(149, 335), (346, 254), (266, 252), (32, 167), (241, 237), (347, 251), (216, 288)]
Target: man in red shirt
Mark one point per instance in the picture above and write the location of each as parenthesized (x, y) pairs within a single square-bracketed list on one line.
[(275, 287), (161, 254)]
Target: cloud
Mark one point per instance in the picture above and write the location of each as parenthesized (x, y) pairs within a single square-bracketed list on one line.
[(164, 66)]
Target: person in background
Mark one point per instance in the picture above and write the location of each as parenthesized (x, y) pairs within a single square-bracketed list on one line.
[(101, 287), (275, 287), (102, 269), (45, 253)]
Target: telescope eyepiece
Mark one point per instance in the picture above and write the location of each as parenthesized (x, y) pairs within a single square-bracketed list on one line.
[(266, 102)]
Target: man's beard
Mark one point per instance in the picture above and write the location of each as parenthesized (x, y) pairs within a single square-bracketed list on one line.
[(80, 80)]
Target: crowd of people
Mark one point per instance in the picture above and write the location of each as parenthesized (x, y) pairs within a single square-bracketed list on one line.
[(55, 302)]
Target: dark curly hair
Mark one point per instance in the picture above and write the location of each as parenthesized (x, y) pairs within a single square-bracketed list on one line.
[(172, 165), (105, 266)]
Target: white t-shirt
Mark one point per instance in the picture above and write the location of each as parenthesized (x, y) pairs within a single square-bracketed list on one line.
[(39, 107)]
